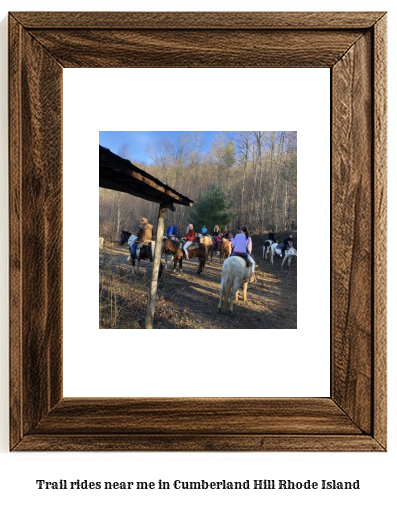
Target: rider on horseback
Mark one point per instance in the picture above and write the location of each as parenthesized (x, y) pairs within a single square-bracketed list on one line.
[(287, 243), (243, 247), (227, 234), (190, 235), (271, 235), (144, 235), (216, 234), (172, 230)]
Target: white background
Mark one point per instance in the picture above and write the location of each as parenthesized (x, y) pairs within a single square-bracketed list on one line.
[(19, 471), (270, 362)]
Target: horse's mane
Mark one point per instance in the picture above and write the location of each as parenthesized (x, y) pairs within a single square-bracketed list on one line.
[(173, 242)]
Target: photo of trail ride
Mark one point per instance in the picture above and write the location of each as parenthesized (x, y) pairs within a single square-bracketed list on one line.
[(188, 219)]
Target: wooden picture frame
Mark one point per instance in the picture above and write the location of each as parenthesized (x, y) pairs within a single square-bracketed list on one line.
[(353, 46)]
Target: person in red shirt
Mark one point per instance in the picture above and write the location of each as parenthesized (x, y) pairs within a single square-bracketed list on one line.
[(189, 239)]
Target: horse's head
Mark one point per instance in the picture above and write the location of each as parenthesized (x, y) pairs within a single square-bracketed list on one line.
[(124, 237)]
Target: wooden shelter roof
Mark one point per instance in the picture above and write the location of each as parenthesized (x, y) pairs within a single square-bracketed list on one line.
[(117, 173)]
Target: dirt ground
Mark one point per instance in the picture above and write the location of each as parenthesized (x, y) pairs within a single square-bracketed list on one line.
[(190, 301)]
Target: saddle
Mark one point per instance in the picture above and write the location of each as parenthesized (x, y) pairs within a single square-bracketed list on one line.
[(141, 245), (247, 262)]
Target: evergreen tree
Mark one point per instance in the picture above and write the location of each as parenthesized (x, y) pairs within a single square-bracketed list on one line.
[(212, 208)]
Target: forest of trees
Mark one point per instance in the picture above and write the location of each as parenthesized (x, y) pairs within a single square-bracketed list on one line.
[(245, 178)]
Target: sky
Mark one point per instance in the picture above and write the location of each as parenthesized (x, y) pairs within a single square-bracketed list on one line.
[(136, 140)]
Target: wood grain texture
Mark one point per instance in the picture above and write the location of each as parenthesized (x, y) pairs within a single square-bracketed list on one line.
[(301, 416), (196, 48), (36, 230), (380, 229), (351, 226), (202, 20), (199, 443), (15, 227), (353, 45)]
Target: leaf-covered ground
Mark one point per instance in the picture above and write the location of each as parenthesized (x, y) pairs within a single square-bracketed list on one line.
[(190, 301)]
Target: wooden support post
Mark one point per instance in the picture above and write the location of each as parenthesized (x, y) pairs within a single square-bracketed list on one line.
[(156, 268)]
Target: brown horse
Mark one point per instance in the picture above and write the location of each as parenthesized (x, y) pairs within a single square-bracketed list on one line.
[(197, 249), (174, 247), (225, 249), (209, 242)]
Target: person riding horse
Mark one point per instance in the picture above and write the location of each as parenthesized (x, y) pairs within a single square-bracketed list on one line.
[(172, 230), (190, 235), (268, 243), (287, 243), (144, 235), (243, 248), (271, 235), (216, 235), (227, 234)]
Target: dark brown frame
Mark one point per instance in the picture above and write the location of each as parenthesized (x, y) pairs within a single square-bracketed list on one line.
[(353, 46)]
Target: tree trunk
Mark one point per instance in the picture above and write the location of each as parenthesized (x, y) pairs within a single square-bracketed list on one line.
[(156, 268), (242, 189)]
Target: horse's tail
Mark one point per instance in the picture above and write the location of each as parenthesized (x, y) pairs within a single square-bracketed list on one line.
[(227, 282)]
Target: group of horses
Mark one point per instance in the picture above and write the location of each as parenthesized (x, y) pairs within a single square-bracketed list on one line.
[(273, 248), (235, 270), (201, 247)]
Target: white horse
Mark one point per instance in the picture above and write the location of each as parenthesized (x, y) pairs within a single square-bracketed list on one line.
[(266, 247), (288, 254), (234, 272)]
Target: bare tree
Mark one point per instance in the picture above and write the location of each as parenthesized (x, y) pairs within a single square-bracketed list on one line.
[(256, 169)]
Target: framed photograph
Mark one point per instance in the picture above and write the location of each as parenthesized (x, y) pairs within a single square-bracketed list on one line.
[(353, 46)]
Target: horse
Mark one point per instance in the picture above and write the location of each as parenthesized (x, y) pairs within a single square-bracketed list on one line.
[(225, 248), (174, 247), (209, 242), (145, 252), (197, 249), (288, 254), (234, 272), (267, 247), (124, 237)]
